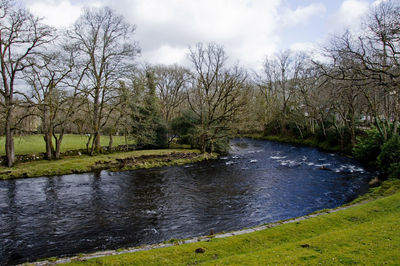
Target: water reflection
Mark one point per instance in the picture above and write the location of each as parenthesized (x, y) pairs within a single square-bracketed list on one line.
[(263, 182)]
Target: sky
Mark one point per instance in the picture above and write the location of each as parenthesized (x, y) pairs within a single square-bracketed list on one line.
[(248, 30)]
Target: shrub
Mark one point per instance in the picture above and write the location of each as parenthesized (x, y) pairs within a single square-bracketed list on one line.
[(394, 170), (368, 147), (221, 145), (184, 126), (389, 155), (272, 128), (334, 138)]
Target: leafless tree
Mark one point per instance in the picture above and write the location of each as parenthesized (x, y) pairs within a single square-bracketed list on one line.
[(368, 65), (21, 34), (282, 72), (55, 81), (105, 42), (121, 117), (172, 84), (172, 81), (216, 94)]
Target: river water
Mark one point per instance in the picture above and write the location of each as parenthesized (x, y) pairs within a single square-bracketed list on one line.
[(258, 182)]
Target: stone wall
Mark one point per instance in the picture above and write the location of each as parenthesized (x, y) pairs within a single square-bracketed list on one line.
[(40, 156)]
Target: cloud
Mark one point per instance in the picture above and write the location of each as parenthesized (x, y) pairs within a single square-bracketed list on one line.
[(56, 13), (377, 2), (303, 46), (248, 29), (166, 55), (302, 14), (349, 15), (60, 13)]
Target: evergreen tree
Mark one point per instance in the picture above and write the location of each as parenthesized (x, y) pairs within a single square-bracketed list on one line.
[(148, 127)]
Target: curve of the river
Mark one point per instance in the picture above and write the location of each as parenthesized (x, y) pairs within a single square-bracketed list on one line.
[(259, 182)]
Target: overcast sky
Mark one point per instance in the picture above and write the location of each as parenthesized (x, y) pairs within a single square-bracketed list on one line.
[(248, 29)]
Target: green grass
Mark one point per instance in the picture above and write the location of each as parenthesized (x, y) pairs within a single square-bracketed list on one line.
[(363, 234), (34, 144), (84, 163)]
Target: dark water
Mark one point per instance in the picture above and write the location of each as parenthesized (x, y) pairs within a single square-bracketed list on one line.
[(258, 182)]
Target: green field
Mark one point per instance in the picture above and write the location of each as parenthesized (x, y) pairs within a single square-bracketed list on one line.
[(33, 144), (85, 163), (366, 234)]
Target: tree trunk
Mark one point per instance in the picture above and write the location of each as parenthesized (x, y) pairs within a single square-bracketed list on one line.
[(283, 126), (58, 146), (10, 154), (88, 143), (97, 146), (49, 149), (110, 143), (126, 139), (300, 131), (203, 144), (92, 148)]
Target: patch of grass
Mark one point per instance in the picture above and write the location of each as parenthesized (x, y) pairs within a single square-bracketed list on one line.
[(363, 234), (34, 144), (387, 188), (84, 163)]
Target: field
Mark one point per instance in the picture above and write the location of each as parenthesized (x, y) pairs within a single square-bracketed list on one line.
[(33, 144), (366, 234), (85, 163)]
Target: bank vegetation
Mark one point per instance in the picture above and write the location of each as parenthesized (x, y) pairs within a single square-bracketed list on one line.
[(86, 80)]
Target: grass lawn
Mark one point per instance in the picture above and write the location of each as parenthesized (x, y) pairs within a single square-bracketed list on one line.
[(85, 163), (33, 144), (364, 234)]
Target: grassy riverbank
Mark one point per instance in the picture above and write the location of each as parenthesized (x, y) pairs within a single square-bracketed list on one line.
[(115, 162), (34, 144), (368, 233), (312, 142)]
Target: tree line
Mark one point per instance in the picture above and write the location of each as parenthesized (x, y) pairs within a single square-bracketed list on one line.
[(86, 80), (349, 98)]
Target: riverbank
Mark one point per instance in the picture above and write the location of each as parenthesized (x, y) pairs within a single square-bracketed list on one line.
[(120, 161), (312, 142), (364, 233)]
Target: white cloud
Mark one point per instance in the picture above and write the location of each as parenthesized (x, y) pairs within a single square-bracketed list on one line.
[(56, 13), (302, 14), (248, 29), (166, 55), (349, 15), (377, 2)]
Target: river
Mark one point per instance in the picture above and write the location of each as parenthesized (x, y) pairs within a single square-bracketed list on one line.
[(258, 182)]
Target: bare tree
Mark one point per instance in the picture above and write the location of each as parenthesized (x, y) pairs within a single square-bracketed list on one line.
[(55, 82), (368, 64), (21, 34), (172, 83), (104, 40), (121, 118), (216, 94), (279, 84)]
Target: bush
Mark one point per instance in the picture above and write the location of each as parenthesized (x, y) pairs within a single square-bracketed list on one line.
[(390, 155), (272, 128), (184, 126), (394, 170), (368, 147), (334, 138), (221, 145)]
